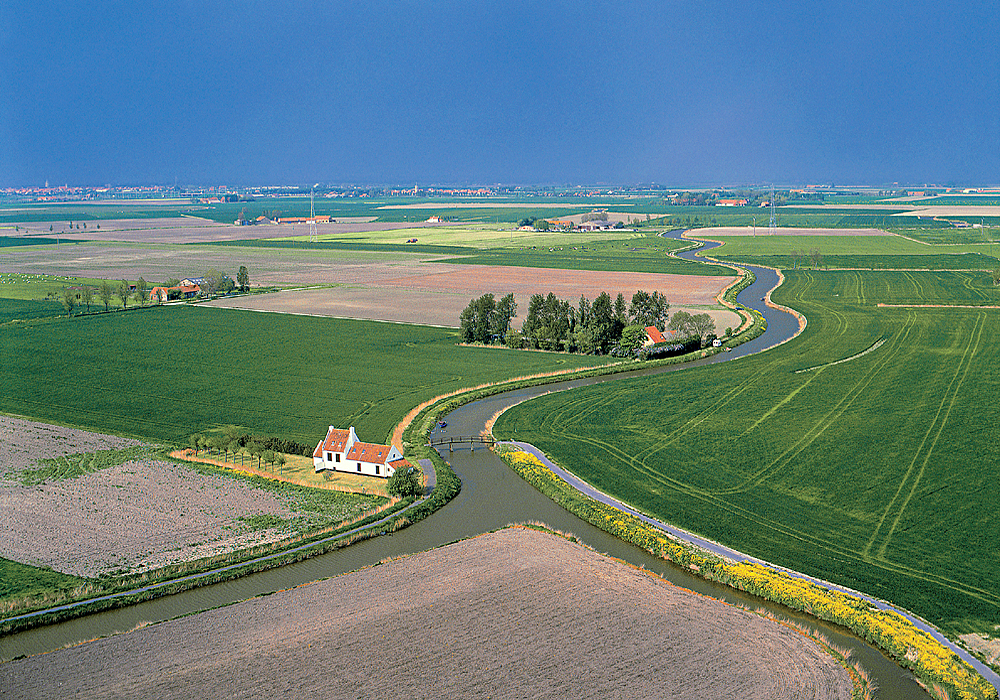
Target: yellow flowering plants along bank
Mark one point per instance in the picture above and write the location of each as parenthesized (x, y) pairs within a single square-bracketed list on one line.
[(938, 667)]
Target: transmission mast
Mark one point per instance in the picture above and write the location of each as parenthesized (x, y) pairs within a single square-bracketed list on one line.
[(313, 238), (773, 228)]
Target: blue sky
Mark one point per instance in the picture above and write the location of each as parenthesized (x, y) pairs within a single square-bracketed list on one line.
[(680, 93)]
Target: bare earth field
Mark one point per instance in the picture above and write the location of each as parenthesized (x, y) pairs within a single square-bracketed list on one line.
[(438, 294), (139, 515), (512, 614), (22, 442), (764, 231), (157, 264), (195, 230)]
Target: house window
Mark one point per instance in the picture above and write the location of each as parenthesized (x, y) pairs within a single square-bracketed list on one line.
[(359, 466), (338, 456), (376, 470)]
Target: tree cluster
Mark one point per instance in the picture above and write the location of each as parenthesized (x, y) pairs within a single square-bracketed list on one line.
[(487, 321), (599, 327)]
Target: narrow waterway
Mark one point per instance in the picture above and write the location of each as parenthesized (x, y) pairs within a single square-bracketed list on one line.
[(492, 496)]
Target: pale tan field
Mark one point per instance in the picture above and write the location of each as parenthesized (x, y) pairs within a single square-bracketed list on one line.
[(156, 264), (139, 515), (437, 296), (764, 231), (513, 614), (958, 210), (195, 230)]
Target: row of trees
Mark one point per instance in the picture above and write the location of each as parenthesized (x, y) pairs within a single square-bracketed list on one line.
[(598, 327), (814, 256), (105, 292), (215, 282), (231, 443)]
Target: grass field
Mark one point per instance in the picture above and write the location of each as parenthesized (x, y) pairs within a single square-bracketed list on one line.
[(163, 373), (878, 473), (869, 252)]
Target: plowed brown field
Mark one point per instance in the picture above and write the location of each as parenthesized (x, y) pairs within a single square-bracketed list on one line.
[(437, 295), (512, 614)]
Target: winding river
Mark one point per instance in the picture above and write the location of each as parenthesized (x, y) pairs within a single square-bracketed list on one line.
[(492, 496)]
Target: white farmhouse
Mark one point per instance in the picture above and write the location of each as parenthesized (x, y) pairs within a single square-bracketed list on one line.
[(342, 451)]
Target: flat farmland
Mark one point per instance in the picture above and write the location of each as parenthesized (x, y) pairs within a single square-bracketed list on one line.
[(510, 614), (865, 452), (85, 505), (266, 266), (194, 229), (763, 230), (864, 252), (163, 373), (438, 295)]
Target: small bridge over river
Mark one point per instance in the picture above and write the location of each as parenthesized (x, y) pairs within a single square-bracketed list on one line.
[(453, 441)]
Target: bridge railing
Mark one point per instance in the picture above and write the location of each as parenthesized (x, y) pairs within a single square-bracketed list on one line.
[(453, 441)]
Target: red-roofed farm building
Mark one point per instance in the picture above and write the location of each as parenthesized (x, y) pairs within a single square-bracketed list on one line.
[(654, 336), (342, 451)]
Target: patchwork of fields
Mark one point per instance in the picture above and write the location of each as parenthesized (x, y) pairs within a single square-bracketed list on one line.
[(878, 473)]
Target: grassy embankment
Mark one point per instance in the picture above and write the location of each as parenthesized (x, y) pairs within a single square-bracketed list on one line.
[(872, 473)]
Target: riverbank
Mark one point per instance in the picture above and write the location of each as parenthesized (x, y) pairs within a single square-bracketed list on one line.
[(514, 613)]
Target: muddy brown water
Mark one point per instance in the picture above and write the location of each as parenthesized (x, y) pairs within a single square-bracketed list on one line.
[(492, 496)]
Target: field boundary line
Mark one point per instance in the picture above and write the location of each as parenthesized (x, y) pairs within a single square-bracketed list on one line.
[(874, 346), (935, 306)]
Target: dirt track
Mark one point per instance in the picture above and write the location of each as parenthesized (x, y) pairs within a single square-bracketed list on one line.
[(513, 614)]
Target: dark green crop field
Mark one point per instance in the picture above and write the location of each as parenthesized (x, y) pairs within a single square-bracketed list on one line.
[(163, 373), (865, 452), (24, 309), (865, 252)]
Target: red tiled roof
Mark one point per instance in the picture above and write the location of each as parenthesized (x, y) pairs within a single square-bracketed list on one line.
[(400, 463), (367, 452), (654, 334), (336, 440)]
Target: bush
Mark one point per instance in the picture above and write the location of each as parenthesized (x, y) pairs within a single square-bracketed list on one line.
[(405, 482)]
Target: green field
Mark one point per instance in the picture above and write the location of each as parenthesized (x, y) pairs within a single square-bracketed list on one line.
[(878, 473), (865, 252), (162, 373)]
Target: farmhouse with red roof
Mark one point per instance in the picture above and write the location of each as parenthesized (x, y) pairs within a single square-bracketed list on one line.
[(654, 336), (342, 451)]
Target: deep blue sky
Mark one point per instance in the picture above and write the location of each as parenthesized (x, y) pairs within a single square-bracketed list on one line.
[(681, 93)]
